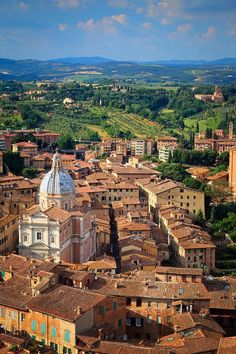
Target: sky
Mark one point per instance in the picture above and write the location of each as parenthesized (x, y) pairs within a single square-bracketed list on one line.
[(118, 29)]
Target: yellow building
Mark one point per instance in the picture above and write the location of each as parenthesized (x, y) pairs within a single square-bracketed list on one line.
[(168, 192), (8, 234), (232, 170), (27, 147)]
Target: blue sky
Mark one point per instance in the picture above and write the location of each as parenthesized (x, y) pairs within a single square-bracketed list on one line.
[(118, 29)]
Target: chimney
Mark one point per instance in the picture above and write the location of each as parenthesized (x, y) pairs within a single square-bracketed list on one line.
[(231, 129), (79, 310)]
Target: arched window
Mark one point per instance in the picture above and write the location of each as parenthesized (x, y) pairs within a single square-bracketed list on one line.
[(66, 206), (52, 239)]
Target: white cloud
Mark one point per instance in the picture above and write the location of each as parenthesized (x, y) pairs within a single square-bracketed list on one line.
[(62, 27), (118, 3), (181, 30), (146, 25), (106, 23), (209, 33), (184, 28), (140, 10), (166, 8), (68, 3), (165, 21), (23, 6), (232, 32)]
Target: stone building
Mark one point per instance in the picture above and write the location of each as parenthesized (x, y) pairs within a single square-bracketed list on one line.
[(57, 227)]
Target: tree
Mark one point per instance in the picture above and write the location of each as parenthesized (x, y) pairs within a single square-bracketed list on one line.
[(14, 162), (173, 171), (23, 137), (66, 142), (29, 172), (208, 133), (199, 219), (193, 183), (223, 159)]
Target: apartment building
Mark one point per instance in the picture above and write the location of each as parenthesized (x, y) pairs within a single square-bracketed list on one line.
[(32, 300), (8, 234), (168, 192), (150, 304)]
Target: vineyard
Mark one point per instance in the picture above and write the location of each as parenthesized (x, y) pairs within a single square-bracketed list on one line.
[(138, 126)]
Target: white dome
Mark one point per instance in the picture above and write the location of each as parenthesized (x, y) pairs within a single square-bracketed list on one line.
[(57, 181)]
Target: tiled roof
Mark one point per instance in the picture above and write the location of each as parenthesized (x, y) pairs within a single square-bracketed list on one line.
[(64, 301), (56, 213), (160, 290), (227, 345)]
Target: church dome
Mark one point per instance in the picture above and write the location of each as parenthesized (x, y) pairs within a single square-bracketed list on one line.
[(57, 181)]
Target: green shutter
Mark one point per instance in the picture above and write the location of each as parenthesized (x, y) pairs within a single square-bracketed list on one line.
[(33, 325), (43, 328), (67, 335), (54, 332)]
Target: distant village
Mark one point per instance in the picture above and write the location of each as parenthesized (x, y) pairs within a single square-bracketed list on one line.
[(101, 254)]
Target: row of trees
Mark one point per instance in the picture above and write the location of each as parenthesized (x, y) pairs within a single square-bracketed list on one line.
[(195, 157)]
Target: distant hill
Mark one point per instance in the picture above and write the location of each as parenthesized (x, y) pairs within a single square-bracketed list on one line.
[(177, 62), (172, 72), (83, 60)]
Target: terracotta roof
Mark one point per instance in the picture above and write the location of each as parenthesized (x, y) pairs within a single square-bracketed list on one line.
[(56, 213), (64, 301), (227, 345), (15, 293), (159, 290), (218, 175), (188, 320), (25, 144), (181, 271)]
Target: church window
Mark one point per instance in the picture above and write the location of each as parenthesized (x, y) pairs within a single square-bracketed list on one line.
[(39, 236)]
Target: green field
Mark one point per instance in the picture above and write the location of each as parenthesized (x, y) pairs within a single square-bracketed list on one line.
[(212, 123)]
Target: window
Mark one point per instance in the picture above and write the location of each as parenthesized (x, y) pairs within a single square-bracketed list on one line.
[(39, 236), (22, 317), (33, 337), (101, 310), (115, 306), (42, 341), (67, 335), (33, 325), (187, 204), (54, 332), (13, 315), (43, 328), (128, 301), (66, 206), (138, 322), (159, 319), (128, 321), (149, 304), (54, 346), (2, 312), (120, 322), (149, 319), (52, 240), (66, 350), (138, 302), (25, 238)]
